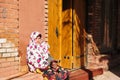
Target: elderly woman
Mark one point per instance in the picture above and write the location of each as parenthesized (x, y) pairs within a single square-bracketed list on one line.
[(37, 53)]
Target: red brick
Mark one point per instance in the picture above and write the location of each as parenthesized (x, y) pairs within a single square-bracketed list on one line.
[(5, 64), (8, 62), (2, 60), (9, 6), (13, 35), (10, 68), (8, 20), (8, 73), (11, 15), (9, 35), (11, 24), (2, 30), (1, 25), (16, 63), (30, 76), (9, 1), (12, 30), (10, 59), (0, 55)]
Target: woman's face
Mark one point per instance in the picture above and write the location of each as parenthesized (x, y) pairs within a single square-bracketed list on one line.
[(38, 40)]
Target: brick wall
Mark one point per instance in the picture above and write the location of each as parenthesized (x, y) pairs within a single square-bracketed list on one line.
[(9, 20), (46, 19), (9, 25), (9, 60), (103, 23), (94, 20)]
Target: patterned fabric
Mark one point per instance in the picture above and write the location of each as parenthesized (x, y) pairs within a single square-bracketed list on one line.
[(37, 54), (57, 73)]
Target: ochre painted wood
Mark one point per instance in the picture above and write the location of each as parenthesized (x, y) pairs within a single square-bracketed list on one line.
[(66, 33), (54, 25), (79, 42)]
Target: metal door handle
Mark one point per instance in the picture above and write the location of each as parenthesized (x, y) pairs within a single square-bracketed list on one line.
[(57, 32)]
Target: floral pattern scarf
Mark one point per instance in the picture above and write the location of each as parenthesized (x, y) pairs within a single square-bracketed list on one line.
[(37, 54)]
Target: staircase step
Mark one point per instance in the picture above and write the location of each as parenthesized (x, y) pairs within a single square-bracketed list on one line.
[(85, 74), (11, 76), (78, 74), (29, 76)]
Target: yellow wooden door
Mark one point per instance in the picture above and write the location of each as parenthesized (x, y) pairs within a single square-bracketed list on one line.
[(54, 28), (67, 39), (65, 33)]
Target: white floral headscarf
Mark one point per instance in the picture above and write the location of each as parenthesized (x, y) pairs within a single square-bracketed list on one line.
[(34, 36), (37, 55)]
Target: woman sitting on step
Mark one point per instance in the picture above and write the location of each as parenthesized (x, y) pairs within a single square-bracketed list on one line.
[(38, 55), (40, 61)]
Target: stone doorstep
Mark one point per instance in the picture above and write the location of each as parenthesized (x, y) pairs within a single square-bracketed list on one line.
[(96, 72), (13, 76), (29, 76), (82, 74), (85, 74), (78, 75)]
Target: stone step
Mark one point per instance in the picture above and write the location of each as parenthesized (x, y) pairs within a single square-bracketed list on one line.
[(79, 74), (30, 76), (22, 76), (85, 74), (13, 75), (8, 73)]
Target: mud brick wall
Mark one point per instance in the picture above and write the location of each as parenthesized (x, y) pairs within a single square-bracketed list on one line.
[(46, 20), (9, 60), (9, 25), (98, 12), (9, 20), (94, 19)]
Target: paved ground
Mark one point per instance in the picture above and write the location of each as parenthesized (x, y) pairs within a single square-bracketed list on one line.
[(114, 72), (108, 75)]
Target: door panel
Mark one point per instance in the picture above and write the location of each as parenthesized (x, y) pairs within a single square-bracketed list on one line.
[(54, 23), (78, 42), (79, 16), (66, 32)]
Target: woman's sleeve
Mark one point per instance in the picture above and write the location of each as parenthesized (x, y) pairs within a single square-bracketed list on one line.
[(31, 55), (45, 47)]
